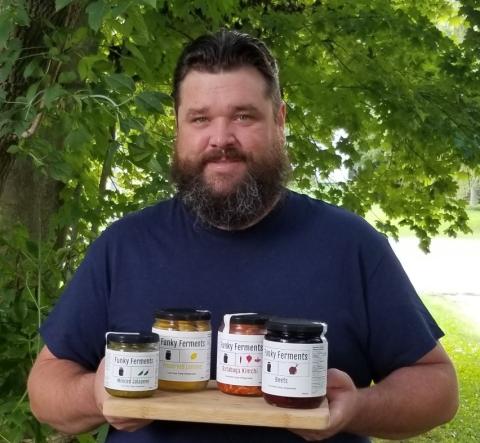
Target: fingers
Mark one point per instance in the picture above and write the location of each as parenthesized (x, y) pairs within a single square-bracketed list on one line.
[(120, 423), (342, 397), (308, 435), (99, 389), (127, 424), (337, 379)]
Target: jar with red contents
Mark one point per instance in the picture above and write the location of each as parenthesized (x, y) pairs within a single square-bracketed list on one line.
[(294, 372), (239, 354)]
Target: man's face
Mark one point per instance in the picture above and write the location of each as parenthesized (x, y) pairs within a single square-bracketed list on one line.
[(226, 125), (229, 163)]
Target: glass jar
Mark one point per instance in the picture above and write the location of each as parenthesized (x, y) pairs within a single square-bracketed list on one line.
[(294, 372), (131, 364), (185, 347), (239, 354)]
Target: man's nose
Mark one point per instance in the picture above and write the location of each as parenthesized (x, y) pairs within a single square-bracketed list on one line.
[(222, 134)]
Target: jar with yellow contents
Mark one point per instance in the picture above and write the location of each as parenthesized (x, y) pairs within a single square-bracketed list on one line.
[(185, 346)]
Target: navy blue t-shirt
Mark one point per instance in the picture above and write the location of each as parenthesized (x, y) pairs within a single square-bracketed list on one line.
[(305, 259)]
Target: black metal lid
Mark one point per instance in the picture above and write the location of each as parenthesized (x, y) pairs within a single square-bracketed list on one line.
[(133, 337), (249, 319), (183, 314), (295, 325)]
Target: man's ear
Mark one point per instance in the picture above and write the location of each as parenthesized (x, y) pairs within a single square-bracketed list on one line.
[(281, 115)]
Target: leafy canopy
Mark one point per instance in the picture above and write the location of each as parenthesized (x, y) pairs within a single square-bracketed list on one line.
[(386, 90)]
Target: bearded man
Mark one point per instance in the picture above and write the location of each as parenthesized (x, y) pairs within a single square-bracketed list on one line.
[(234, 239)]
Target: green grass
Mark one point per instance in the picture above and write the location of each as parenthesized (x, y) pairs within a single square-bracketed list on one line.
[(473, 222), (462, 342)]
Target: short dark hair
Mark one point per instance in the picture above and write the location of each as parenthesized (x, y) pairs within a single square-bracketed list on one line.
[(224, 51)]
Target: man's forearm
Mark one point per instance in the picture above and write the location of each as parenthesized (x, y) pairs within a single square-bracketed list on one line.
[(408, 402), (62, 395)]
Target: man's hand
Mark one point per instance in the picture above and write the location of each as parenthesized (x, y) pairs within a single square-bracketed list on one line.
[(120, 423), (410, 401), (343, 402), (69, 397)]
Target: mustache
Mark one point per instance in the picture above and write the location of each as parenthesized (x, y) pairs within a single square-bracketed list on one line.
[(228, 153)]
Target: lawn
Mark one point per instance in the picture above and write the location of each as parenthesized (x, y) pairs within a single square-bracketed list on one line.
[(462, 342), (473, 222)]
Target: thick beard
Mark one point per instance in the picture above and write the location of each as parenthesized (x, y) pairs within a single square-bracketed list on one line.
[(247, 201)]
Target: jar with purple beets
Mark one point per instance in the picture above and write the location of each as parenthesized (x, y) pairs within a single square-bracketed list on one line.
[(294, 371)]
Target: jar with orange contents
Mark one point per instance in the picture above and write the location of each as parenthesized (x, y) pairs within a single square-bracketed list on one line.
[(239, 354)]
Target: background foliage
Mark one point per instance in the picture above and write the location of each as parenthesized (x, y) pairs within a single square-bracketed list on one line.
[(388, 90)]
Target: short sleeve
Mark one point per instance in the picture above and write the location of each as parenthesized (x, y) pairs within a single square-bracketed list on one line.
[(75, 329), (401, 330)]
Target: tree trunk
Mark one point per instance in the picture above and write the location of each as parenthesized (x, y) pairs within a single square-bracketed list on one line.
[(26, 196), (30, 198), (474, 191)]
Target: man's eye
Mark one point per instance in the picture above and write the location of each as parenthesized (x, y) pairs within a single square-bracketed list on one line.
[(201, 119), (244, 117)]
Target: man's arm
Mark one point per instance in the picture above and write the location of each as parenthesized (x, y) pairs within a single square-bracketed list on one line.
[(408, 402), (69, 398)]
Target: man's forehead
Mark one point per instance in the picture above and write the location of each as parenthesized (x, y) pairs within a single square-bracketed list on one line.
[(242, 88)]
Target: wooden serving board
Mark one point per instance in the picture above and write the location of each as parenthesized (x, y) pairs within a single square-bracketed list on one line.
[(213, 406)]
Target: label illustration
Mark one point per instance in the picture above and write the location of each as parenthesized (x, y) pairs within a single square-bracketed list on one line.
[(294, 370), (184, 355), (239, 359), (131, 371)]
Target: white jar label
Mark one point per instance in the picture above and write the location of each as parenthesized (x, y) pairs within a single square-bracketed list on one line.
[(294, 369), (239, 359), (184, 355), (131, 371)]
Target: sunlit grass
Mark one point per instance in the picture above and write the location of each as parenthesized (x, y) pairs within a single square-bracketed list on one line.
[(462, 342)]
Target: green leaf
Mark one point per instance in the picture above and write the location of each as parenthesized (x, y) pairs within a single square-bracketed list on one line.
[(102, 433), (85, 65), (21, 15), (31, 92), (96, 12), (20, 127), (79, 35), (30, 68), (13, 149), (51, 94), (127, 124), (20, 308), (152, 3), (59, 4), (135, 51), (67, 77), (85, 438), (61, 172), (140, 153), (6, 27), (121, 9), (120, 82), (77, 138), (155, 166), (150, 101)]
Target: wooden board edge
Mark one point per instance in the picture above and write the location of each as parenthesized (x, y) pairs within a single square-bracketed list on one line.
[(276, 417)]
